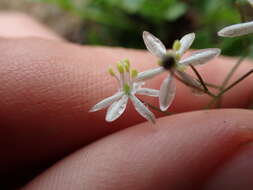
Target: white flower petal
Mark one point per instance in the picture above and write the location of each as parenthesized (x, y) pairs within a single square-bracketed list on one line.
[(116, 109), (148, 92), (237, 30), (142, 109), (186, 42), (153, 44), (106, 102), (191, 81), (167, 93), (201, 57), (137, 85), (251, 2), (149, 74)]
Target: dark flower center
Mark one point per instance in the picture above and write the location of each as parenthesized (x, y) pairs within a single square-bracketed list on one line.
[(168, 62)]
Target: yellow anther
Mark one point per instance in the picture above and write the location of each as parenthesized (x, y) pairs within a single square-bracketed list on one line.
[(126, 64), (176, 45), (111, 72), (134, 73), (126, 61), (120, 67), (174, 54)]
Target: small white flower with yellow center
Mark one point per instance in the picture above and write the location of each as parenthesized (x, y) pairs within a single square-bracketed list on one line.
[(237, 29), (171, 61), (128, 88)]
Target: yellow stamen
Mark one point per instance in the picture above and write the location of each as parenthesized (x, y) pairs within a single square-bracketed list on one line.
[(134, 73), (111, 72), (120, 67), (176, 45), (126, 64)]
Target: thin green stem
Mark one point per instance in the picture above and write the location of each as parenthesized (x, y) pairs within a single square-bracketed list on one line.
[(232, 71), (228, 88), (212, 85), (230, 75), (200, 78), (209, 105), (195, 87), (236, 82), (240, 10), (210, 94), (203, 83), (158, 109)]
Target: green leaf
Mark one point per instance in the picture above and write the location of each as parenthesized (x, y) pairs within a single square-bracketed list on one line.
[(132, 6), (175, 11)]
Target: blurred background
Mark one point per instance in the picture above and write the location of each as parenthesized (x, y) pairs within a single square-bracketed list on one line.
[(121, 22)]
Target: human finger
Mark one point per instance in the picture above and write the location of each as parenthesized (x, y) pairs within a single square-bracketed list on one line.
[(47, 88), (181, 152), (20, 25), (236, 174)]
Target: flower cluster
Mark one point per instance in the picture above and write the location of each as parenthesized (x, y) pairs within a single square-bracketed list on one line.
[(174, 63), (131, 82)]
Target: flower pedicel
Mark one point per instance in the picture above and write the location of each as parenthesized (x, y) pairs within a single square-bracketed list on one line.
[(128, 87), (171, 61)]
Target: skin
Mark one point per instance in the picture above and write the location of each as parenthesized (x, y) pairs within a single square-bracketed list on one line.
[(17, 24), (48, 86)]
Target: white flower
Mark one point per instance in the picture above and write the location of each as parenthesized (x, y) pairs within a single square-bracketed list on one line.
[(171, 61), (237, 30), (127, 89)]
